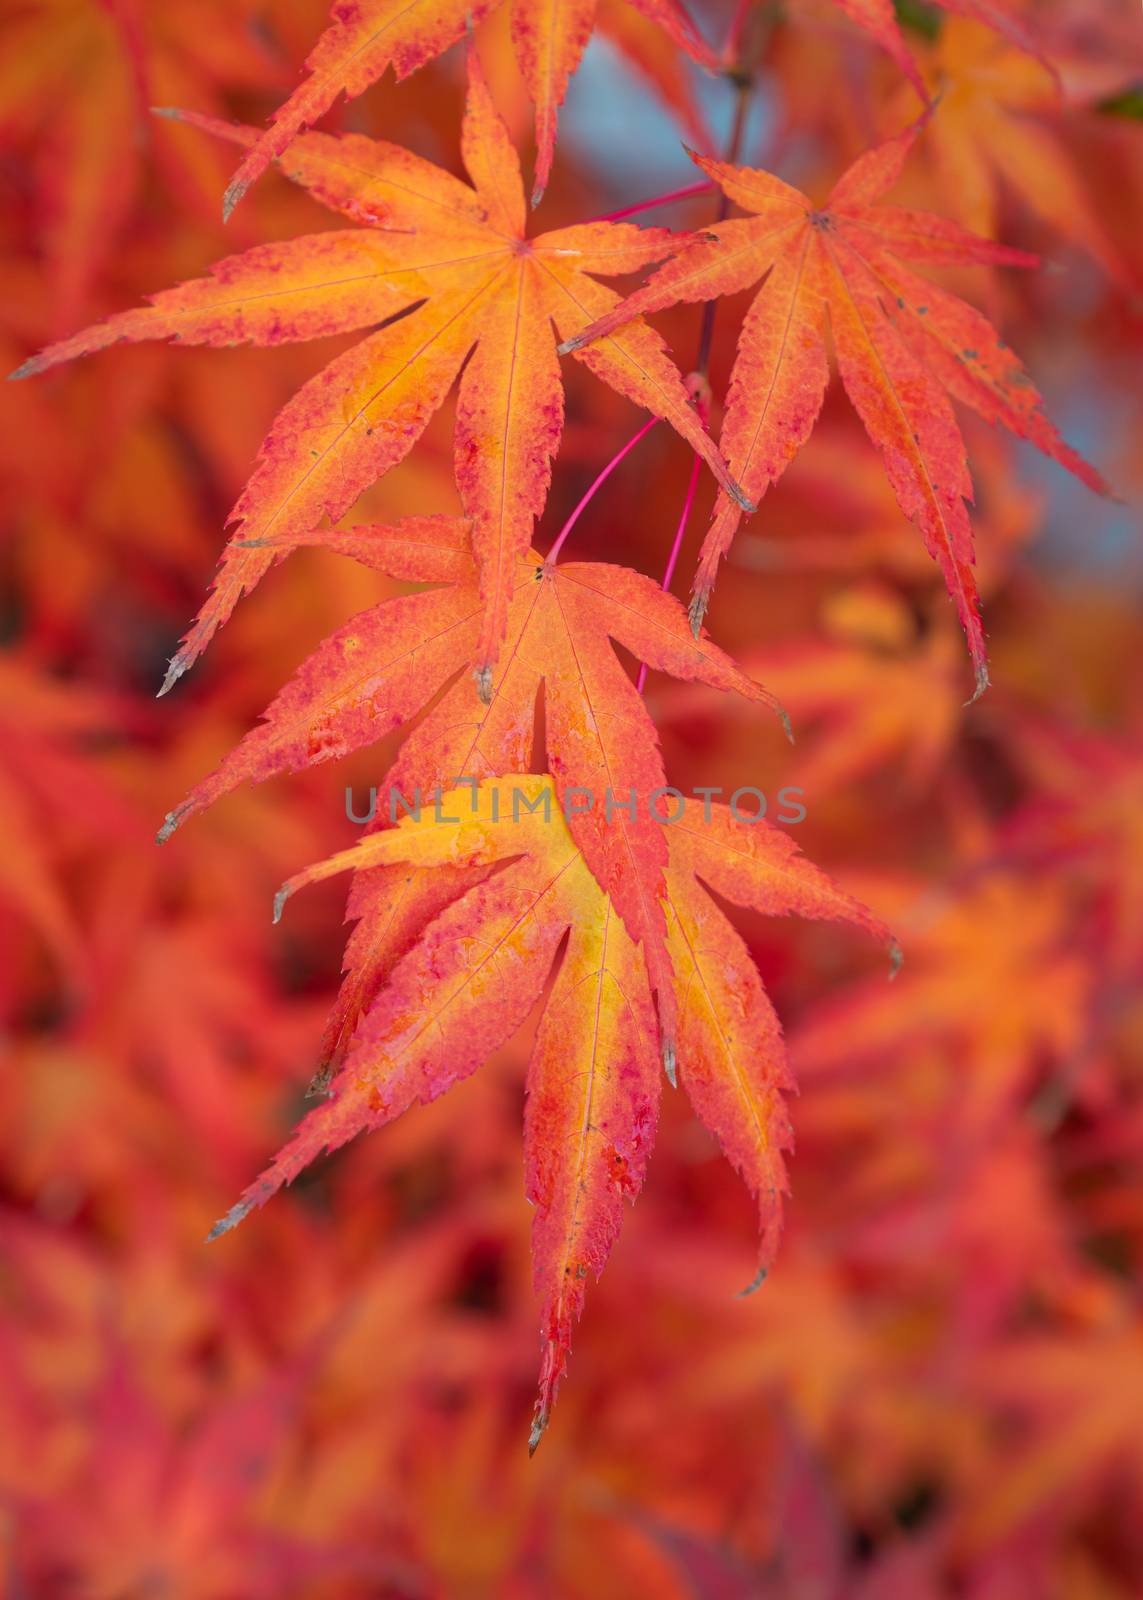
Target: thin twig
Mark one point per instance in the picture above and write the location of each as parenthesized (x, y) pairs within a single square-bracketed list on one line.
[(672, 559), (553, 553), (733, 151), (656, 200), (706, 336)]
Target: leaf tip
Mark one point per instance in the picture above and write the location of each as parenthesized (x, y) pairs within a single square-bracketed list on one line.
[(670, 1063), (318, 1086), (177, 666), (27, 369), (231, 1220), (171, 821), (483, 676), (755, 1283), (982, 682), (896, 956), (569, 346), (235, 189), (696, 611), (539, 1424), (280, 899)]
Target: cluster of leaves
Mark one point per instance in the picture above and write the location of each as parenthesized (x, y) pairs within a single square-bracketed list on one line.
[(158, 1030)]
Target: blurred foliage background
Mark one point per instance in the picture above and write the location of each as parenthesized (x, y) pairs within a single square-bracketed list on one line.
[(939, 1392)]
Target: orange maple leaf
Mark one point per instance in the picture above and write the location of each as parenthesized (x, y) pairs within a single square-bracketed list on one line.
[(379, 670), (993, 978), (878, 18), (995, 130), (593, 1082), (1083, 1398), (455, 259), (901, 343), (367, 36), (866, 707), (78, 78)]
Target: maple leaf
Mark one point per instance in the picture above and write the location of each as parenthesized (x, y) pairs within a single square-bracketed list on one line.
[(155, 1498), (47, 727), (78, 78), (991, 132), (839, 488), (455, 258), (1084, 1397), (86, 61), (878, 18), (1085, 814), (946, 1366), (900, 341), (1003, 934), (385, 665), (864, 708), (593, 1080), (367, 36)]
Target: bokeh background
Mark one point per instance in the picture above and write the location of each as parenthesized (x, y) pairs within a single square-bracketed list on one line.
[(939, 1391)]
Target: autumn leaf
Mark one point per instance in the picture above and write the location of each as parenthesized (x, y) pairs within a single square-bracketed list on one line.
[(384, 666), (1086, 817), (87, 60), (1083, 1397), (159, 1498), (367, 36), (878, 18), (456, 259), (902, 344), (77, 80), (937, 1390), (992, 971), (47, 728), (998, 128), (1002, 17), (593, 1080), (861, 708)]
